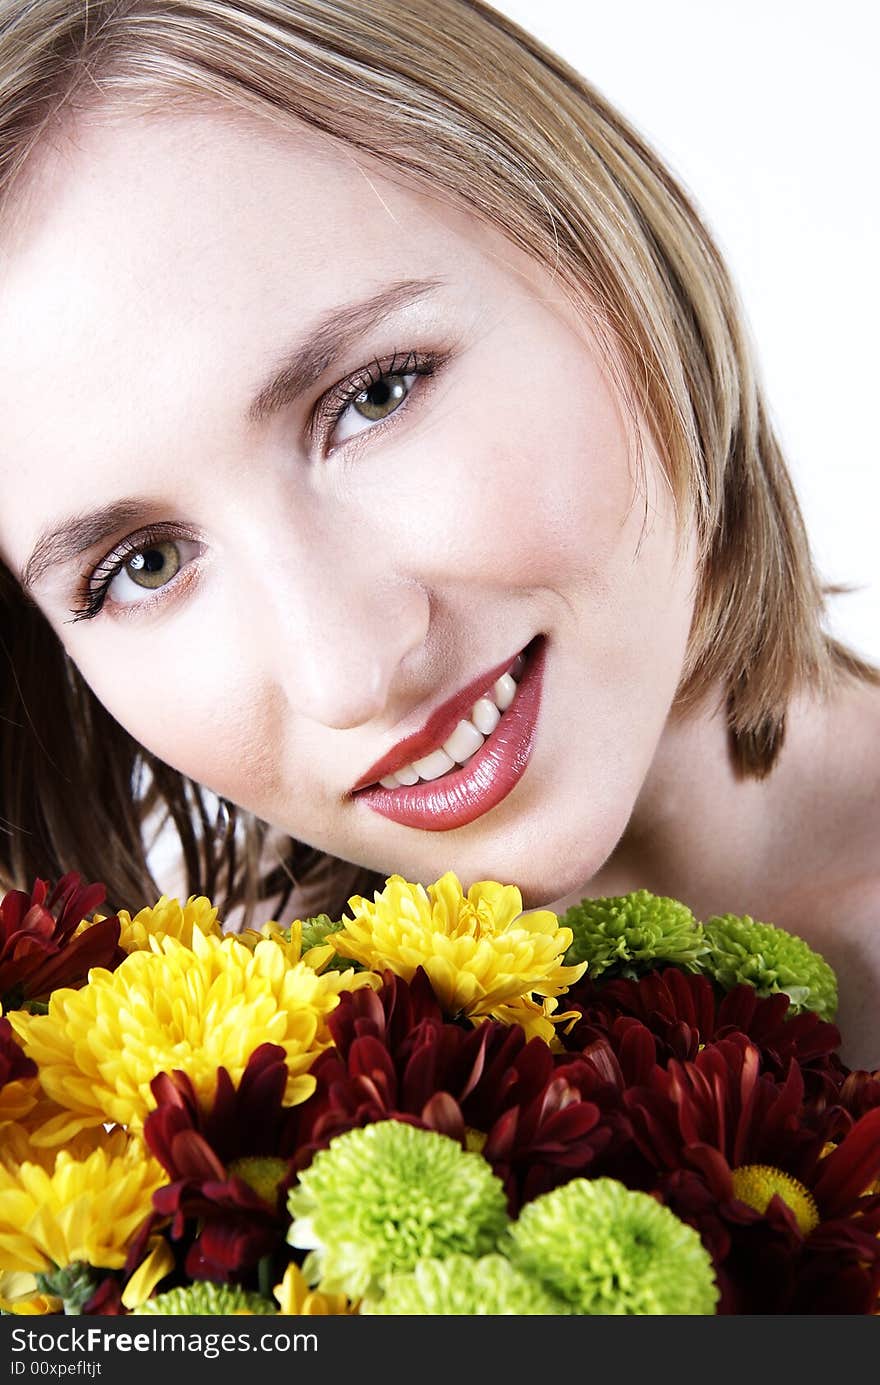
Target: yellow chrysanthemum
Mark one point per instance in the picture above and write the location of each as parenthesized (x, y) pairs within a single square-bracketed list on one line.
[(538, 1019), (174, 1007), (158, 1262), (167, 918), (17, 1098), (43, 1111), (19, 1294), (289, 939), (82, 1203), (296, 1299), (16, 1146), (480, 951)]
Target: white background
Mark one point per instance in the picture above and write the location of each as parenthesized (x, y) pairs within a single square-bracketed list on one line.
[(767, 112)]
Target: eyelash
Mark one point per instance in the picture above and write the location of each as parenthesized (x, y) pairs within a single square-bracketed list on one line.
[(96, 591), (337, 399), (330, 409)]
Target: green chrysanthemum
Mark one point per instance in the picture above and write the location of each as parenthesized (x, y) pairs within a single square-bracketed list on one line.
[(73, 1284), (315, 930), (771, 960), (460, 1286), (382, 1197), (606, 1250), (203, 1297), (630, 934), (318, 932)]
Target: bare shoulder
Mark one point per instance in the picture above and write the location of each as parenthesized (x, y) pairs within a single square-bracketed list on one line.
[(860, 788), (830, 863), (864, 725), (825, 881)]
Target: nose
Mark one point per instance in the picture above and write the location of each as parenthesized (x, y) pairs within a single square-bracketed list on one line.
[(342, 622)]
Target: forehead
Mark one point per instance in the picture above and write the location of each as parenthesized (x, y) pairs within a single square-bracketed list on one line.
[(157, 264), (158, 207), (130, 223)]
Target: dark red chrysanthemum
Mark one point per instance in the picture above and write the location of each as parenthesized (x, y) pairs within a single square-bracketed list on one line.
[(395, 1057), (230, 1166), (699, 1123), (39, 946), (684, 1012), (860, 1092), (723, 1108), (106, 1301), (14, 1065), (540, 1130)]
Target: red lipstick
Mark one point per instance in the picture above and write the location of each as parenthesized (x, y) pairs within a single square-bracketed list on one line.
[(437, 729), (469, 791)]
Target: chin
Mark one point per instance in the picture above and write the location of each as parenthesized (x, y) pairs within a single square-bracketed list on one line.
[(566, 865), (544, 866), (541, 884), (545, 895)]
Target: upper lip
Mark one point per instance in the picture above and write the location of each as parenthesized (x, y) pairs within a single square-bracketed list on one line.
[(437, 729)]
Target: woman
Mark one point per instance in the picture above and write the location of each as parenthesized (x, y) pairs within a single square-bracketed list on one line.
[(382, 451)]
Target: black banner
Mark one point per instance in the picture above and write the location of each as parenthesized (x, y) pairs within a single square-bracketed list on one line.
[(139, 1350)]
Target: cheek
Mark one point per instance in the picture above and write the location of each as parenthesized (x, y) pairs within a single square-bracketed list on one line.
[(227, 742), (504, 492)]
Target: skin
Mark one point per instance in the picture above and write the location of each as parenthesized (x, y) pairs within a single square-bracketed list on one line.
[(334, 589)]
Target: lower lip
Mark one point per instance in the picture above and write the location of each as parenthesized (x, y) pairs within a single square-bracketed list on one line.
[(467, 793)]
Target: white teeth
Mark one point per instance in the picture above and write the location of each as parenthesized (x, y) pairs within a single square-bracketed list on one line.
[(504, 691), (433, 765), (468, 736), (485, 715), (407, 775), (464, 742)]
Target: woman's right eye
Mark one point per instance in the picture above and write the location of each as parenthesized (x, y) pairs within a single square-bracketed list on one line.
[(139, 565)]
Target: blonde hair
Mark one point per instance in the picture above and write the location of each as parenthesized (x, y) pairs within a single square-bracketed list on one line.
[(460, 98)]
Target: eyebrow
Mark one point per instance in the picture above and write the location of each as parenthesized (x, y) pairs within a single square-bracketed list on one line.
[(307, 362), (299, 370)]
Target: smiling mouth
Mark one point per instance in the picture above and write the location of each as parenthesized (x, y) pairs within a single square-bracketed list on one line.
[(476, 765)]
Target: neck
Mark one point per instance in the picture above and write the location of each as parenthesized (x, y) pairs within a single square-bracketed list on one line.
[(797, 848), (702, 833)]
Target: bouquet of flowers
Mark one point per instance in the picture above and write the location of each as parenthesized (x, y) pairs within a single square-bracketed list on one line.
[(436, 1104)]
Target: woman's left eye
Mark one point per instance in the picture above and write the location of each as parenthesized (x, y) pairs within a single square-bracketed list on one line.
[(370, 397), (372, 406)]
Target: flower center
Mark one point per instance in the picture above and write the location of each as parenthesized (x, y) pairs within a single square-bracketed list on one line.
[(262, 1173), (756, 1184)]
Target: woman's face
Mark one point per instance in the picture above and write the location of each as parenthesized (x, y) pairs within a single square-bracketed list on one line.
[(442, 476)]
